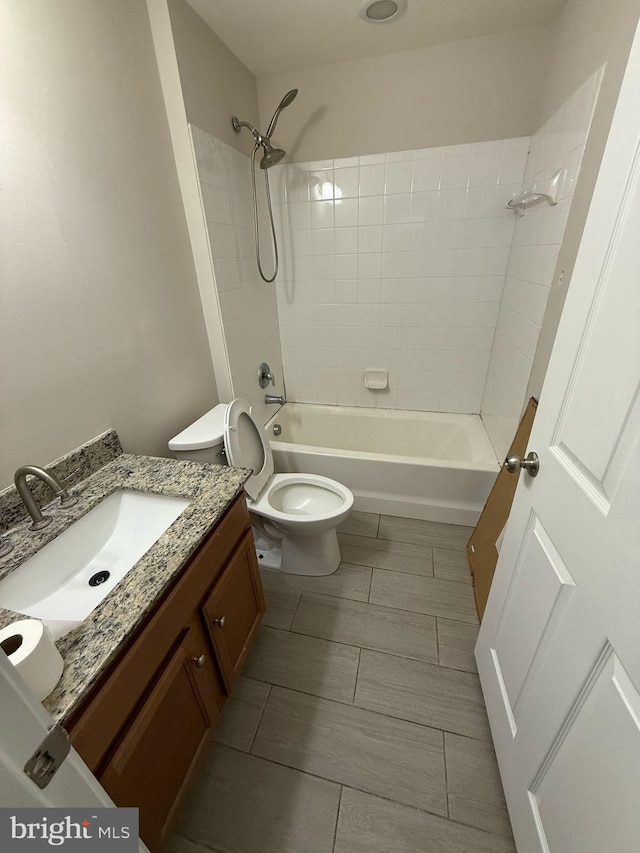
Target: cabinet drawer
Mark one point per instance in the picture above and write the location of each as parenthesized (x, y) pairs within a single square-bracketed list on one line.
[(148, 767), (234, 609)]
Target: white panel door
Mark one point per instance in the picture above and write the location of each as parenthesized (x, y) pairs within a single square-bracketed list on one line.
[(559, 646)]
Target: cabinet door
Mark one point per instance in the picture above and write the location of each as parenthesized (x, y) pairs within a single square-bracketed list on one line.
[(234, 609), (152, 762)]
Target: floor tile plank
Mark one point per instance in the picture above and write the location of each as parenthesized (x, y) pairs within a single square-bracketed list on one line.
[(302, 663), (282, 602), (241, 714), (243, 804), (434, 533), (361, 523), (456, 642), (367, 626), (367, 824), (385, 554), (432, 596), (355, 747), (474, 785), (451, 565), (423, 693)]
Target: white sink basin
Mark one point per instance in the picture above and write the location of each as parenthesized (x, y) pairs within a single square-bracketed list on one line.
[(53, 585)]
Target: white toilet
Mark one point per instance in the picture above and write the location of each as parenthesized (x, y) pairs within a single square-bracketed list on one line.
[(294, 516)]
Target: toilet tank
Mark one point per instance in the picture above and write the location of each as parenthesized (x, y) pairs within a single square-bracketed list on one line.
[(203, 440)]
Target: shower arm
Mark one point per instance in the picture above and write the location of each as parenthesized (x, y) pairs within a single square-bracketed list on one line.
[(237, 125)]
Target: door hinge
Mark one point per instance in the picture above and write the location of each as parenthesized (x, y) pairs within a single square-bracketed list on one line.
[(48, 757)]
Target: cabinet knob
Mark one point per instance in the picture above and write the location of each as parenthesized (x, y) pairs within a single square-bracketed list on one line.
[(200, 661), (220, 621)]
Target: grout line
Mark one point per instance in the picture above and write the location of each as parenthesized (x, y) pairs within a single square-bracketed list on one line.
[(446, 775), (335, 831), (255, 734), (438, 644), (295, 613), (355, 684), (201, 845)]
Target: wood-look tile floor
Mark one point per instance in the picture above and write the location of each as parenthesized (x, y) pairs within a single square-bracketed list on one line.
[(358, 725)]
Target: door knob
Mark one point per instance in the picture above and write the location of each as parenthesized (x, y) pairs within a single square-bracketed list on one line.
[(200, 661), (531, 463), (220, 621)]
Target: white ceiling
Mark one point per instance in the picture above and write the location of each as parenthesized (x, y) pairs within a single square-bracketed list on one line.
[(283, 35)]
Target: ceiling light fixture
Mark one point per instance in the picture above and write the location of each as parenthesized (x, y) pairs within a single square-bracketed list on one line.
[(381, 11)]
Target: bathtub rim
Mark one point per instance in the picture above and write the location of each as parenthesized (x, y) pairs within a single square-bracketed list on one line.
[(465, 420)]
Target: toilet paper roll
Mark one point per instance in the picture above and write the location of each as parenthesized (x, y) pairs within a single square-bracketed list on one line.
[(29, 647)]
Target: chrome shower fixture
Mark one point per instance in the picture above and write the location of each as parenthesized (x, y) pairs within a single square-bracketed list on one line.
[(270, 157)]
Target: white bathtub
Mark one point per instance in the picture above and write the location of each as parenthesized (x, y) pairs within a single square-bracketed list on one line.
[(427, 465)]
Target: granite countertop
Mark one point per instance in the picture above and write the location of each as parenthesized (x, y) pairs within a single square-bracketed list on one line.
[(89, 648)]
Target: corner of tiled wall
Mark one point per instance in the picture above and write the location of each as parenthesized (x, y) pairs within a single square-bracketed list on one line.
[(558, 145), (248, 304)]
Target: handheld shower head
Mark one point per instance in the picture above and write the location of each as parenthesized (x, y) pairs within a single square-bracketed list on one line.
[(288, 98), (272, 156)]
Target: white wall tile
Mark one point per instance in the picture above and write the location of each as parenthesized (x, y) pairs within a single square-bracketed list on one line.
[(424, 206), (371, 210), (346, 241), (396, 208), (346, 181), (455, 172), (369, 238), (398, 177), (426, 174), (346, 212), (372, 179)]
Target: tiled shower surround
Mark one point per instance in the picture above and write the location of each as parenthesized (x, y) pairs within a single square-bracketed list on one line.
[(408, 261), (397, 261)]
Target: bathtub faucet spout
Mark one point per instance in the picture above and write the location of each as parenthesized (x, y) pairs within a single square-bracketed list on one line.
[(274, 398)]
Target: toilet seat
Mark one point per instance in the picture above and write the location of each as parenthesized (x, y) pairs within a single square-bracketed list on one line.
[(247, 446), (301, 498)]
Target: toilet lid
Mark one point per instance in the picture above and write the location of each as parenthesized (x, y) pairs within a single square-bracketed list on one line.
[(247, 446)]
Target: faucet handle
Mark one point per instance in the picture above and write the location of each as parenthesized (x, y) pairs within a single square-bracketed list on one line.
[(265, 375)]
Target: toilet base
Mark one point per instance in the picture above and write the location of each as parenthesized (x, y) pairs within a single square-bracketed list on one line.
[(315, 555)]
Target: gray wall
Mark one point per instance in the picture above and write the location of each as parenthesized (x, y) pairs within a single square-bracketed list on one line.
[(465, 91), (100, 323), (215, 84)]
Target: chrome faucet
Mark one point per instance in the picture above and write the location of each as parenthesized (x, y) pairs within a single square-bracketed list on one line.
[(275, 398), (60, 491)]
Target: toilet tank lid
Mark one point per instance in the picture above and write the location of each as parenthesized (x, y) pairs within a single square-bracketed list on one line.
[(207, 431)]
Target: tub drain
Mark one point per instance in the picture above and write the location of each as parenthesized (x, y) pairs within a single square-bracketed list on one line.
[(98, 578)]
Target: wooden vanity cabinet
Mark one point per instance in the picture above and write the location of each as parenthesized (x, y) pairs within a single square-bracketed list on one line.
[(144, 726)]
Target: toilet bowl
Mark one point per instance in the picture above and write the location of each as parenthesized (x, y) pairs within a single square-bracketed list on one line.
[(294, 516)]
